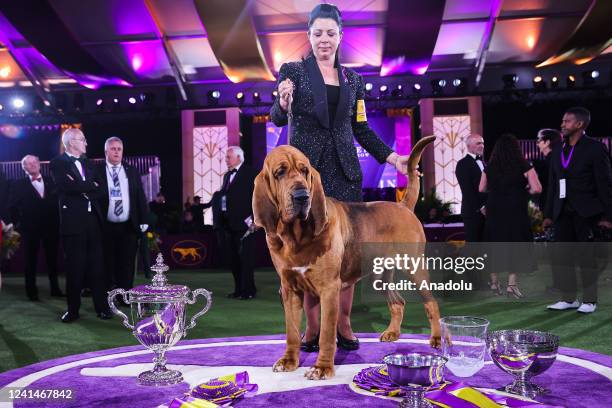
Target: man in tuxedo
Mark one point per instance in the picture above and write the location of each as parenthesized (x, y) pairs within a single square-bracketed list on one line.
[(468, 173), (547, 140), (579, 198), (232, 209), (78, 188), (33, 207), (125, 211)]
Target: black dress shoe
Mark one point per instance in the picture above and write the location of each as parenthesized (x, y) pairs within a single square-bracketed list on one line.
[(69, 317), (33, 298), (86, 292), (247, 297), (346, 344), (105, 315), (233, 295), (311, 346)]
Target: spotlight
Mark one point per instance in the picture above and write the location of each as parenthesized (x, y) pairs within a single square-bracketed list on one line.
[(538, 82), (383, 90), (398, 92), (589, 77), (115, 101), (369, 86), (570, 81), (240, 97), (5, 71), (213, 97), (274, 94), (99, 102), (554, 82), (147, 98), (1, 107), (132, 100), (460, 84), (510, 81), (437, 85), (18, 103), (256, 97), (416, 88)]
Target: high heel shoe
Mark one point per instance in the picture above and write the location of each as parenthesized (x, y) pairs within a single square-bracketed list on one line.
[(347, 344), (513, 290), (310, 346)]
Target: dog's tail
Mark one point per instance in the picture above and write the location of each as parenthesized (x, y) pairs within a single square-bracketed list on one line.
[(414, 186)]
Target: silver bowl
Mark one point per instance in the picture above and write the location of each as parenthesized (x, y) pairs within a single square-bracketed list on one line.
[(523, 354), (414, 372)]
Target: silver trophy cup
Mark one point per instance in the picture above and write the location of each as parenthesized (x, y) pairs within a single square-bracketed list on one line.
[(158, 319)]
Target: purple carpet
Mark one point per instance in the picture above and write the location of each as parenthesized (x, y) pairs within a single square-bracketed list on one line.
[(577, 379)]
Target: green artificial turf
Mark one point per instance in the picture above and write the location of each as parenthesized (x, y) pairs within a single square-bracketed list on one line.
[(31, 331)]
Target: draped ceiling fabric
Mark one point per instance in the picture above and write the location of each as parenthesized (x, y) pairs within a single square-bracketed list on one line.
[(70, 44)]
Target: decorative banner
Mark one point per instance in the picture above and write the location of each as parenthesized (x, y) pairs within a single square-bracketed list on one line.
[(451, 134), (209, 148)]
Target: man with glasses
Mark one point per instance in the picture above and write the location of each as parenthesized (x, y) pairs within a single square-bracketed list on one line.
[(80, 225)]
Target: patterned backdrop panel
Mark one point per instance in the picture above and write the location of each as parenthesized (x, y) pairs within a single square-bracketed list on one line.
[(450, 146), (209, 148)]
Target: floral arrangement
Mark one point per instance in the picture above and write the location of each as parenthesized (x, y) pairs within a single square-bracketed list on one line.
[(535, 217), (10, 241), (153, 241)]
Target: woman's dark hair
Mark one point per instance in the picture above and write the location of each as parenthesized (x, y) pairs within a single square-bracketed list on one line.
[(507, 157), (325, 10), (551, 135)]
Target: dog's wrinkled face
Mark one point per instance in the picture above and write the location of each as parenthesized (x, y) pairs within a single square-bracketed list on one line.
[(290, 172), (288, 188)]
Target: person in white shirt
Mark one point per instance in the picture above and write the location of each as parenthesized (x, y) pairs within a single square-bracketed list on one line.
[(33, 208), (125, 210)]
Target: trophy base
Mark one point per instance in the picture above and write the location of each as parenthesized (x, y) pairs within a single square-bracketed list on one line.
[(160, 379), (524, 389)]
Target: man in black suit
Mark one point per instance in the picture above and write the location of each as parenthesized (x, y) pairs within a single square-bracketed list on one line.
[(579, 198), (33, 207), (125, 211), (197, 211), (468, 173), (232, 207), (78, 187)]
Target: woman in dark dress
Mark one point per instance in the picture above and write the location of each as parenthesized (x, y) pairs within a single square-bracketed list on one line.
[(508, 179), (324, 105)]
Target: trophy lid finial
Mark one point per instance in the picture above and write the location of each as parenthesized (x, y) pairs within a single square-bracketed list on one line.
[(159, 268)]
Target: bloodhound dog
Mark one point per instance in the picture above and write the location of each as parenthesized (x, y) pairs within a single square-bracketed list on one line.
[(315, 243)]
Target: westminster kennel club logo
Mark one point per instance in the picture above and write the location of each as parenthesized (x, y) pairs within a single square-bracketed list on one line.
[(188, 252)]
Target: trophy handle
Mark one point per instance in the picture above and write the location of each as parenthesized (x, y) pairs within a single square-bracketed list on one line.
[(111, 302), (191, 301)]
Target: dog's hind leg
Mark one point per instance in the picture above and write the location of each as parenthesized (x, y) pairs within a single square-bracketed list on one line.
[(431, 307), (292, 303), (396, 303)]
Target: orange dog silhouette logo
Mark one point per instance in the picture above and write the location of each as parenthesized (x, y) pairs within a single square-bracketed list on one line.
[(188, 252)]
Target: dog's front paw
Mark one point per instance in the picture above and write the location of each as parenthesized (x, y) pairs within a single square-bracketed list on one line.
[(389, 335), (319, 373), (285, 364), (435, 341)]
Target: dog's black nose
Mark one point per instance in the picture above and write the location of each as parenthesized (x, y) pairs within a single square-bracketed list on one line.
[(300, 195)]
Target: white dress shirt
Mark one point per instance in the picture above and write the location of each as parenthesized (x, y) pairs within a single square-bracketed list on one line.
[(478, 161), (124, 196), (78, 165), (39, 185)]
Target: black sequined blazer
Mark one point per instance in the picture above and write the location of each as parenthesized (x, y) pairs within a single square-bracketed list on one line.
[(310, 129)]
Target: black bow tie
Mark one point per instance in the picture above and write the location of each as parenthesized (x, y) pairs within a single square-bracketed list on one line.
[(75, 159), (479, 157), (232, 171)]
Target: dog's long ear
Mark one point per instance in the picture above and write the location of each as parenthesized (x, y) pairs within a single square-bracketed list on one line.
[(265, 208), (318, 208)]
